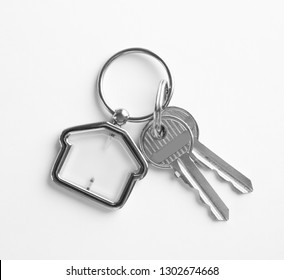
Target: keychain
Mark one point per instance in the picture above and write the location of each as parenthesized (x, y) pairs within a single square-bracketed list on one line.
[(90, 154), (100, 160)]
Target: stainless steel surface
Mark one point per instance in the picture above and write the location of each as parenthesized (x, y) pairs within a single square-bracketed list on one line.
[(172, 151), (120, 117), (202, 155), (190, 174), (157, 115), (113, 130), (129, 51)]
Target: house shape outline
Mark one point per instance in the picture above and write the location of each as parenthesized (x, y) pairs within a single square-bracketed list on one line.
[(131, 148)]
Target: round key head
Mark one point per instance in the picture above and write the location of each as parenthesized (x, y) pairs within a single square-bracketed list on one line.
[(185, 116), (176, 139)]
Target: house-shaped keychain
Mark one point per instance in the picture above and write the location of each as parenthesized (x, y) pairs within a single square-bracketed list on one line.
[(100, 161)]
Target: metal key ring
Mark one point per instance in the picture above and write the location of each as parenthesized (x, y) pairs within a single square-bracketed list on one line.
[(157, 115), (128, 51)]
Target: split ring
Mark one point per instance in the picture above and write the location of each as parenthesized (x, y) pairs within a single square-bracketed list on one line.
[(129, 51), (157, 115)]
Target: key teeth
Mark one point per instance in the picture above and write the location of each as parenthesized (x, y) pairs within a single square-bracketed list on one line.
[(248, 188), (224, 216), (199, 184)]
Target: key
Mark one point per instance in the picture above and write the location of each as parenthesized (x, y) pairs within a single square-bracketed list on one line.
[(202, 155), (172, 150)]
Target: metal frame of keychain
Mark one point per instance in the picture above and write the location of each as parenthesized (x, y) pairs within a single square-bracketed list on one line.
[(119, 117)]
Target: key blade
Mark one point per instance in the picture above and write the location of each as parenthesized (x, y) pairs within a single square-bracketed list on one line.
[(224, 170), (194, 178)]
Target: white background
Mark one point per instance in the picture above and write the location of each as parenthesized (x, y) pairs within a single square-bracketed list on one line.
[(227, 61)]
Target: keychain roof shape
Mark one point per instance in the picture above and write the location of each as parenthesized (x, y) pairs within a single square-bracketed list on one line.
[(87, 185)]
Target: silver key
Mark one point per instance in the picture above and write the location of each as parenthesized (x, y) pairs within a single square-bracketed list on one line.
[(201, 154), (172, 151)]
